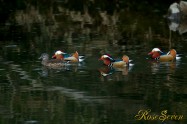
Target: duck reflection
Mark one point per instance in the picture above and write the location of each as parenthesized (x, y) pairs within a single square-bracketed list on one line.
[(169, 69), (46, 71), (106, 71), (111, 73), (177, 16), (156, 66)]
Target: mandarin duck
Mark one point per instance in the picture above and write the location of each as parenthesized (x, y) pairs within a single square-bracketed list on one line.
[(53, 63), (109, 61), (157, 54), (68, 57)]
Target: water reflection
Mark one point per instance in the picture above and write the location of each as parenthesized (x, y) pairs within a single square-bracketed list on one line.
[(180, 26), (106, 70), (177, 17), (159, 66)]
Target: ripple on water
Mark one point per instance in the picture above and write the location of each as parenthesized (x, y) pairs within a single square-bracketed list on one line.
[(11, 46), (31, 122)]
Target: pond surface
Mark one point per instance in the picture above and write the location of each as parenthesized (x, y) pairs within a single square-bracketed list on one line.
[(91, 93)]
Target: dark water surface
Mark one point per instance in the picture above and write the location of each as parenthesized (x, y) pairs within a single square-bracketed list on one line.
[(90, 93)]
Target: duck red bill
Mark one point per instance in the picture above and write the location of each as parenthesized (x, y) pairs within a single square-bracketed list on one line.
[(150, 53), (54, 56)]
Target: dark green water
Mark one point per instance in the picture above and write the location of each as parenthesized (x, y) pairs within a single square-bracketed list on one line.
[(33, 94)]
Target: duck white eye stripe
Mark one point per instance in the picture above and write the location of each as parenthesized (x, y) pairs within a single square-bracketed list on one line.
[(156, 49), (106, 56), (58, 52)]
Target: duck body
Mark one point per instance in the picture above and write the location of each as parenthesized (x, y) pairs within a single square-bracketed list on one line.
[(166, 58), (53, 63), (157, 54), (109, 61), (118, 64)]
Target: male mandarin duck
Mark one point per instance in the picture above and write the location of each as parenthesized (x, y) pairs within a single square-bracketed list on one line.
[(59, 55), (109, 61), (53, 63), (157, 54), (67, 57)]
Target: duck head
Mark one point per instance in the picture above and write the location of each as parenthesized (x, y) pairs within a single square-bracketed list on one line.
[(58, 55), (155, 53), (107, 59), (44, 56)]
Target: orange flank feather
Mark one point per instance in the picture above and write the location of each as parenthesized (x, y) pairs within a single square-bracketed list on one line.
[(173, 53), (76, 55), (125, 59)]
